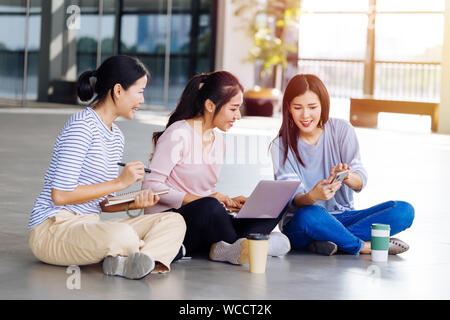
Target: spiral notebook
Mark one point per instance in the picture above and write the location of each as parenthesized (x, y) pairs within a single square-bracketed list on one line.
[(129, 196)]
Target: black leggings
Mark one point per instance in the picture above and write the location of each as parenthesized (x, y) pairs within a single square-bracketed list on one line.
[(208, 222)]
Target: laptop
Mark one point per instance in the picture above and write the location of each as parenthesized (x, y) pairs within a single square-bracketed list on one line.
[(268, 199)]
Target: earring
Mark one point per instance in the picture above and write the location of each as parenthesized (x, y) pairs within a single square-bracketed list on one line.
[(291, 123)]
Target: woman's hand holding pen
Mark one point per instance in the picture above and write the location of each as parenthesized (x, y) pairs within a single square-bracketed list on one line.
[(132, 172)]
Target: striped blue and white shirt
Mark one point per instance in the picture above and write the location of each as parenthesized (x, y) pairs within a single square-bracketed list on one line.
[(85, 152)]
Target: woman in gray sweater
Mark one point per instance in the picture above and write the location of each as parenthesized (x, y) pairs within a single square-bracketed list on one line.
[(312, 148)]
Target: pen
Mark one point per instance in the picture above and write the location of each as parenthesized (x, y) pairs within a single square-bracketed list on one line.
[(123, 165)]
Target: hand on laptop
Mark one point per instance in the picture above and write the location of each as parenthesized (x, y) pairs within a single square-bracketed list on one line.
[(232, 204), (225, 200), (239, 201)]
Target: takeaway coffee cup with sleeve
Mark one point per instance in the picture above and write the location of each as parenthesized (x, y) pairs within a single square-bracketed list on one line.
[(380, 241), (258, 244)]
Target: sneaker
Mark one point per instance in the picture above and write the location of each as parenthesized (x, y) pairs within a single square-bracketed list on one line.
[(278, 244), (326, 248), (397, 246), (235, 253), (181, 253), (135, 266)]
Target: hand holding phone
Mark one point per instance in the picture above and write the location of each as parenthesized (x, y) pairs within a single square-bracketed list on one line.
[(340, 176)]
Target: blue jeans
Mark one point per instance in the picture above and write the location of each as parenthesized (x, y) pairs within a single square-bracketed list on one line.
[(349, 229)]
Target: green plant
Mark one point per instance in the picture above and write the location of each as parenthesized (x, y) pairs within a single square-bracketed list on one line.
[(268, 22)]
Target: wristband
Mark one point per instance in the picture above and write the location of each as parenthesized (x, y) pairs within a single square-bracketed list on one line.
[(130, 215)]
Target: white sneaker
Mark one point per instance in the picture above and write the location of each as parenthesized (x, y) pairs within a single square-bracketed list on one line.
[(235, 253), (135, 266), (279, 244)]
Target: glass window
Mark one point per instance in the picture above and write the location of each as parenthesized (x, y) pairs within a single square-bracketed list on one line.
[(13, 6), (87, 35), (181, 61), (192, 28), (108, 28), (12, 47), (332, 36), (34, 40), (144, 33), (180, 49), (15, 40), (335, 6), (205, 4), (87, 43), (182, 5), (204, 36), (409, 37), (180, 33), (107, 35), (145, 37), (410, 5), (135, 6)]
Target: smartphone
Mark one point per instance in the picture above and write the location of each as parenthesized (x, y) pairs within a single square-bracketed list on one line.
[(340, 176)]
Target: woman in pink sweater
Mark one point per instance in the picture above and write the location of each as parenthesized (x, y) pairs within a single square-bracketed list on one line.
[(187, 159)]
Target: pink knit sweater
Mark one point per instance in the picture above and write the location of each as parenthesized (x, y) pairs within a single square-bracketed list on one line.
[(181, 164)]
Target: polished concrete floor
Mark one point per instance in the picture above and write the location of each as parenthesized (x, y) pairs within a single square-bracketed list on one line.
[(402, 165)]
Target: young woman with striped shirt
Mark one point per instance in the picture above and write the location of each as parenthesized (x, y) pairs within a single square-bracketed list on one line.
[(65, 226)]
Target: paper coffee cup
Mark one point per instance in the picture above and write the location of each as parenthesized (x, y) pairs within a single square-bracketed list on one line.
[(258, 244), (380, 241)]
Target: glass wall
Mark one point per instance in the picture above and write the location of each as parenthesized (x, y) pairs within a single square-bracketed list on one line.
[(174, 40), (143, 34), (97, 21), (17, 81), (172, 37), (408, 49), (408, 38), (332, 43)]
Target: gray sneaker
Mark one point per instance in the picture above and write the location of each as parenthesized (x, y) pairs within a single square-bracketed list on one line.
[(326, 248), (135, 266), (397, 246), (235, 253)]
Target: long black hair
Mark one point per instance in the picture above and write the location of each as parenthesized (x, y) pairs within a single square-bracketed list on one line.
[(120, 69), (218, 86)]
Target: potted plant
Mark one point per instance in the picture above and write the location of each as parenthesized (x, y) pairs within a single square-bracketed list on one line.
[(269, 22)]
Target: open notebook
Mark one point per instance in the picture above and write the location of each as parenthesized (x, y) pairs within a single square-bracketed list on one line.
[(129, 196)]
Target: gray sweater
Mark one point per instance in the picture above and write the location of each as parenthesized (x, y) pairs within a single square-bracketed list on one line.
[(338, 143)]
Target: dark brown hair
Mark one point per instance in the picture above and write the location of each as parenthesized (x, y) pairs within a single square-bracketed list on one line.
[(297, 86), (120, 69), (218, 86)]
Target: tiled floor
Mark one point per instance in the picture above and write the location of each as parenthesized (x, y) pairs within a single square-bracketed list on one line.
[(402, 165)]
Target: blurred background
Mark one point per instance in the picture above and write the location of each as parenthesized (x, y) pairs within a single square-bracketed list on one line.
[(389, 50), (385, 63)]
